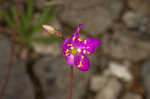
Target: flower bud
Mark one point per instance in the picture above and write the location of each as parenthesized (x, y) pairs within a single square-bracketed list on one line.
[(50, 29)]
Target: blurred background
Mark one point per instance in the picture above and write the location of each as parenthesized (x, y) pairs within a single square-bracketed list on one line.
[(119, 67)]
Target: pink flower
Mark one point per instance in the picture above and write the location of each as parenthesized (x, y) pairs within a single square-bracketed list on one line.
[(75, 50)]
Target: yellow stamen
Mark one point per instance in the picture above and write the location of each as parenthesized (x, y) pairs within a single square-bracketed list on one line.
[(72, 47), (82, 57), (69, 44), (80, 64), (84, 41), (87, 47), (66, 54), (88, 52), (79, 39), (67, 51), (84, 51), (74, 38)]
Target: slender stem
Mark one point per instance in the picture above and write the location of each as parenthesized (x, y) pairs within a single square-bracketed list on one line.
[(3, 89), (71, 78), (12, 53)]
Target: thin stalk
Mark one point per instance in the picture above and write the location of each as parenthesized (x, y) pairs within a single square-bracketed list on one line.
[(3, 89), (12, 52), (71, 78)]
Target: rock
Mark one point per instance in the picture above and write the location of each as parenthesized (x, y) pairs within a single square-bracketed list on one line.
[(145, 78), (126, 44), (121, 71), (98, 82), (95, 15), (131, 96), (53, 74), (131, 19), (138, 21), (99, 61), (40, 4), (20, 87), (141, 6), (47, 48), (111, 90)]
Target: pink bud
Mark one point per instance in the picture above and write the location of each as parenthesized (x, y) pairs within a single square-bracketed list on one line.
[(49, 29)]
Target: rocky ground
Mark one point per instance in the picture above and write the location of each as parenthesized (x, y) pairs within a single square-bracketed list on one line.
[(119, 67)]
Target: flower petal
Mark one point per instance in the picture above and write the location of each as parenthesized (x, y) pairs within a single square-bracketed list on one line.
[(75, 37), (78, 28), (83, 63), (72, 59), (64, 46), (65, 41), (90, 45)]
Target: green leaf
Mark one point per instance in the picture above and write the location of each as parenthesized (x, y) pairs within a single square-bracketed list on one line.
[(23, 24), (29, 14), (29, 10), (45, 18), (14, 13), (26, 20), (7, 18)]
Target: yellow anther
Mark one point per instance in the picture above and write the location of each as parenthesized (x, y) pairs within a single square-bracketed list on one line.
[(74, 38), (69, 44), (84, 41), (66, 54), (83, 47), (80, 64), (67, 51), (88, 52), (87, 47), (72, 47), (82, 57), (84, 51), (79, 39)]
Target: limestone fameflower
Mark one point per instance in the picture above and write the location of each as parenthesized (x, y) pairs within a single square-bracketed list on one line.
[(75, 50)]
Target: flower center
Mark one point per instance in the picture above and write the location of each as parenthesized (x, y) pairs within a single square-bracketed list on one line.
[(74, 51)]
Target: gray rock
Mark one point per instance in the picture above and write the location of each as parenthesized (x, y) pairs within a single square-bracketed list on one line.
[(145, 78), (96, 15), (126, 44), (111, 90), (131, 96), (53, 74), (98, 82), (19, 86), (121, 71), (141, 6), (131, 19), (138, 21)]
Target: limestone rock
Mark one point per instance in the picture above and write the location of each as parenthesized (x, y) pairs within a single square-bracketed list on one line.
[(126, 44), (53, 74), (121, 71), (47, 48), (145, 78), (111, 90), (131, 96), (98, 82), (141, 6), (19, 87), (96, 15)]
